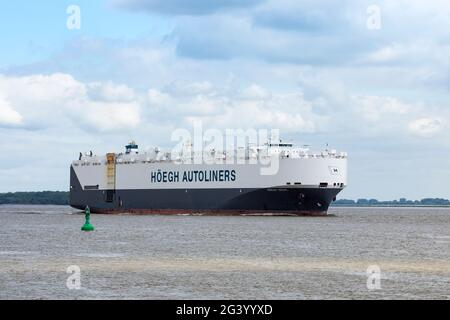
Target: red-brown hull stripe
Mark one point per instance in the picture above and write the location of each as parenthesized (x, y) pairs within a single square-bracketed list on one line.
[(208, 212)]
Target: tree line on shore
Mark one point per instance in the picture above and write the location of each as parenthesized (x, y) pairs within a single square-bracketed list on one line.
[(42, 197), (62, 198), (399, 202)]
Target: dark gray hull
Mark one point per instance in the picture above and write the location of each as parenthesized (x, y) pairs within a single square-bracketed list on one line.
[(285, 200)]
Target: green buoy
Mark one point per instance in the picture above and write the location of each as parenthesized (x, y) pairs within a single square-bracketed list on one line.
[(87, 224)]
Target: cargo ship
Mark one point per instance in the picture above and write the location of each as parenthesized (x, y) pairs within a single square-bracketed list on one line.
[(268, 179)]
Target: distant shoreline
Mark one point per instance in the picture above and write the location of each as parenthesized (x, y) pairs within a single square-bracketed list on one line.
[(62, 198), (402, 202), (38, 198), (390, 206)]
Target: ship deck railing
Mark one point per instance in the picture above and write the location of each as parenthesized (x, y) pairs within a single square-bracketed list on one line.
[(205, 158)]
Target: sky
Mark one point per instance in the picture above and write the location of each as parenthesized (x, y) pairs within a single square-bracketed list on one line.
[(371, 78)]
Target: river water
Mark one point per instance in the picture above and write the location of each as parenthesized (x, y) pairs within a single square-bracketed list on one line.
[(204, 257)]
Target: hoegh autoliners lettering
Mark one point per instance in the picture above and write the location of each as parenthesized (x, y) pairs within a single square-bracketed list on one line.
[(193, 176)]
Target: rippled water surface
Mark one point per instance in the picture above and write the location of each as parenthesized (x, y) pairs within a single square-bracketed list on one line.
[(197, 257)]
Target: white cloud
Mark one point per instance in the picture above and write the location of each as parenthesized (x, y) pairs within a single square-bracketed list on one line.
[(287, 112), (158, 98), (40, 101), (110, 92), (8, 116), (385, 54), (224, 107), (180, 99), (106, 116), (376, 108), (255, 92), (185, 88), (426, 127), (322, 106)]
